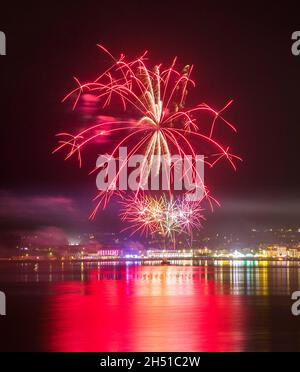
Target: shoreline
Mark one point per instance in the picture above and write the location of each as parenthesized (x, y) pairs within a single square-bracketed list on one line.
[(143, 259)]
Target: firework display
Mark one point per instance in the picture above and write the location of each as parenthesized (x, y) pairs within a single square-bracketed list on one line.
[(156, 123), (148, 215)]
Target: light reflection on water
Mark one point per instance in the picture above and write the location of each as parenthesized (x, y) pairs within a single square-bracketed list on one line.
[(211, 306)]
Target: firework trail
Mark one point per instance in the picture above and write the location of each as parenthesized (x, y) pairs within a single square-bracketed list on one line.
[(161, 126)]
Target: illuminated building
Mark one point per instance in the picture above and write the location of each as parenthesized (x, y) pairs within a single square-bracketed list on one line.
[(293, 253), (168, 253), (277, 251), (109, 253), (202, 252)]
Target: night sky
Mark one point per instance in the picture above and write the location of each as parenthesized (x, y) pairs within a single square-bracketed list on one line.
[(243, 53)]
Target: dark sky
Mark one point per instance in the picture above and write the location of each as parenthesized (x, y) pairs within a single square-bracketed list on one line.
[(239, 52)]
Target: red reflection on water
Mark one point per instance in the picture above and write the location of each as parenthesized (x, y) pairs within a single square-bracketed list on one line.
[(146, 308)]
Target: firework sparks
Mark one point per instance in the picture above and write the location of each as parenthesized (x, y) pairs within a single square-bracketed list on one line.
[(149, 215), (162, 126)]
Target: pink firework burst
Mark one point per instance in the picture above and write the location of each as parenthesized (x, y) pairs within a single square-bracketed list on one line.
[(155, 119)]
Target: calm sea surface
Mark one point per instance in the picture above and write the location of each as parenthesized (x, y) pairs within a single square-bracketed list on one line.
[(207, 306)]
